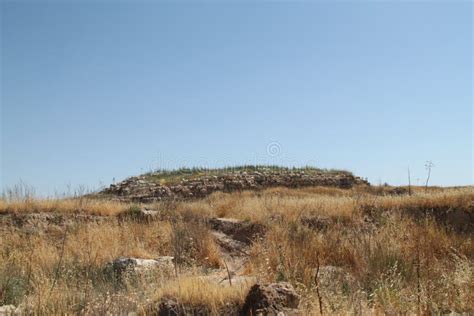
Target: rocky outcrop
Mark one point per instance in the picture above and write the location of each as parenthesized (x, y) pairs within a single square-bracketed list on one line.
[(271, 299), (147, 189)]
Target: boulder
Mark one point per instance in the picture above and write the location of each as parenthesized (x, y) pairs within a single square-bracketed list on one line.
[(271, 299)]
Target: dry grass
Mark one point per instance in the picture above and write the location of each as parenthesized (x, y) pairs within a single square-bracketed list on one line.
[(393, 258), (200, 293), (30, 263), (292, 204), (63, 206)]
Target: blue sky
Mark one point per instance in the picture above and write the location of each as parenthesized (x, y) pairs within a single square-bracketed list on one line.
[(96, 91)]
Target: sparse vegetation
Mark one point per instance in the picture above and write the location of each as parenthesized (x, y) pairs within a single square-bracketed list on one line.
[(368, 249), (195, 294), (164, 176)]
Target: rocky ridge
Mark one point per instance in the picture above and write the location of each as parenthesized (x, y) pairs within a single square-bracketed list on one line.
[(146, 188)]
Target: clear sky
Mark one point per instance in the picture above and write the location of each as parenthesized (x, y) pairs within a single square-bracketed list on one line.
[(93, 91)]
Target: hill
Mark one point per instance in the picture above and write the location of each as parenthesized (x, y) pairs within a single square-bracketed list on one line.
[(199, 182), (335, 249)]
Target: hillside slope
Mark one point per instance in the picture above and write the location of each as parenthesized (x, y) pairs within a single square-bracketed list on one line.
[(198, 183)]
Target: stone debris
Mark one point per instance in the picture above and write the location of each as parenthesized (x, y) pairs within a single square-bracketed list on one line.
[(271, 299), (145, 188), (129, 264)]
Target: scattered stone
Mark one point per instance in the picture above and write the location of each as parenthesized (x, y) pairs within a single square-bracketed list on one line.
[(271, 299), (128, 264), (146, 188)]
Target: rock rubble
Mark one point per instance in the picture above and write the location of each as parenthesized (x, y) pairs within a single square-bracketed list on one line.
[(146, 188)]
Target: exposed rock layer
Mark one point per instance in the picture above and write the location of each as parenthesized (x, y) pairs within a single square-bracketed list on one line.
[(147, 189)]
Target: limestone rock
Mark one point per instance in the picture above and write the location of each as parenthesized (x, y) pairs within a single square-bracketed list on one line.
[(129, 264), (147, 189)]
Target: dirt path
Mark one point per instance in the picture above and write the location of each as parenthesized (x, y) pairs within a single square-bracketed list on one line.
[(234, 252)]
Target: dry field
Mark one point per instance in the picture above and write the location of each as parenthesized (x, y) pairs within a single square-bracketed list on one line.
[(358, 251)]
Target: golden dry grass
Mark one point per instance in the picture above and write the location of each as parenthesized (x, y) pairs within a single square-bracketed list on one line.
[(397, 263), (63, 206), (331, 202), (198, 292)]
